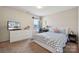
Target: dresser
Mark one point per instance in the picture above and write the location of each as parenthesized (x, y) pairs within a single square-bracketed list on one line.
[(18, 35)]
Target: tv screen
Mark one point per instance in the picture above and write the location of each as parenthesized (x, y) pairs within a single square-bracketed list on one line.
[(14, 25)]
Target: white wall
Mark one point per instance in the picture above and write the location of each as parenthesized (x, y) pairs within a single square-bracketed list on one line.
[(64, 19), (13, 14)]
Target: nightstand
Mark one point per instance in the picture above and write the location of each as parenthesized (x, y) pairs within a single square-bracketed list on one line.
[(72, 38)]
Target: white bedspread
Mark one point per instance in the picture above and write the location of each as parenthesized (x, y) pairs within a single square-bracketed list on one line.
[(55, 40)]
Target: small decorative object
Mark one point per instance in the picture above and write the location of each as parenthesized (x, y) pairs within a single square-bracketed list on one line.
[(27, 27), (71, 32), (47, 26), (32, 17)]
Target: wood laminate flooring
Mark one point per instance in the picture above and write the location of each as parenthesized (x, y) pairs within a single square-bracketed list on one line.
[(25, 46)]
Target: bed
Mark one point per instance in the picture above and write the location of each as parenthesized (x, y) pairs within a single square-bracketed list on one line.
[(54, 42)]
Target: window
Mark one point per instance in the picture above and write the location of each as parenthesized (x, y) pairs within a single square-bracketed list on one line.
[(37, 25)]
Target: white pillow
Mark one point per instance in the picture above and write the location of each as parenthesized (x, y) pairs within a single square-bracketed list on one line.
[(51, 29), (64, 30), (61, 30)]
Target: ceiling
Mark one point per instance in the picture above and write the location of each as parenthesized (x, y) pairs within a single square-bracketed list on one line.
[(46, 10)]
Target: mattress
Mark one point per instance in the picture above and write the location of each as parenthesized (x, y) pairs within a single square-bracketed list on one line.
[(54, 42)]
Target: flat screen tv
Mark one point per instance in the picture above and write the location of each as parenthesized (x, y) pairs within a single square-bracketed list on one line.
[(14, 25)]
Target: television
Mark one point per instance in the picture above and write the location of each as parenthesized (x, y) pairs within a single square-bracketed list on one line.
[(14, 25)]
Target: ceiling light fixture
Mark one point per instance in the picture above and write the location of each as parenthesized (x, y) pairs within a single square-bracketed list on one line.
[(39, 7)]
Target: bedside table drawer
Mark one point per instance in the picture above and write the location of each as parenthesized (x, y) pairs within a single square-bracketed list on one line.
[(72, 37)]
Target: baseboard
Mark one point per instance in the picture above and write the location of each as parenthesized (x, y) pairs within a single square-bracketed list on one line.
[(5, 41), (18, 41)]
